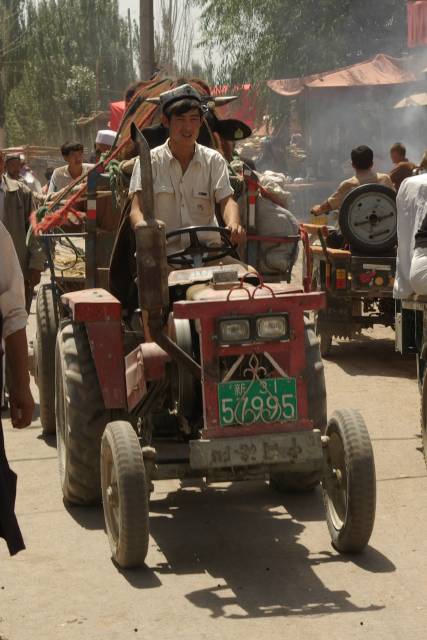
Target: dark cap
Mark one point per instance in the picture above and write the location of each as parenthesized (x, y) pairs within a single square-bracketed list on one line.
[(184, 92)]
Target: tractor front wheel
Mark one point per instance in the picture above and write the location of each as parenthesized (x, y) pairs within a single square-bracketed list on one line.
[(47, 319), (81, 416), (125, 495), (349, 487)]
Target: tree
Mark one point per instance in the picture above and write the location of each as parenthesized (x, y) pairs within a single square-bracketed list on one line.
[(77, 58), (11, 36), (174, 39), (260, 39)]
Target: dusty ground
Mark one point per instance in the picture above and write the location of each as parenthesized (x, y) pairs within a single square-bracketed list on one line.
[(238, 562)]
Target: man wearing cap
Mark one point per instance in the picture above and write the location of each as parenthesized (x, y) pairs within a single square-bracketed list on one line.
[(16, 204), (189, 179), (104, 141)]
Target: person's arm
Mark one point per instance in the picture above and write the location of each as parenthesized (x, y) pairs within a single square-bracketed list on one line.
[(334, 201), (231, 216), (136, 215), (12, 308), (20, 397), (388, 181), (318, 209), (223, 192)]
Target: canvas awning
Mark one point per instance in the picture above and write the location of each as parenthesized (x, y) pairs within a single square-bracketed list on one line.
[(415, 100), (380, 70)]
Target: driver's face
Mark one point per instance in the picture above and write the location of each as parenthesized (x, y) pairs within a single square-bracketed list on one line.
[(184, 129)]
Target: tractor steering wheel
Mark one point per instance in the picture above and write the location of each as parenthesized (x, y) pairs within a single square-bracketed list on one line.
[(196, 254)]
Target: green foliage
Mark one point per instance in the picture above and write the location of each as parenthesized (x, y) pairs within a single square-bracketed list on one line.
[(259, 39), (77, 59), (11, 38)]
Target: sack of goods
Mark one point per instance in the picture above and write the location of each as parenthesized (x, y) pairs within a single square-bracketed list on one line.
[(272, 220)]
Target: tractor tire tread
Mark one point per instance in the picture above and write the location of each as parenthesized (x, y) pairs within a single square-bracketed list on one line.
[(87, 417), (47, 322), (361, 479), (132, 546)]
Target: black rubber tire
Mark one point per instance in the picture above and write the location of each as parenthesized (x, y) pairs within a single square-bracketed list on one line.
[(47, 321), (355, 242), (317, 412), (81, 416), (349, 493), (315, 378), (325, 338), (424, 414), (125, 495)]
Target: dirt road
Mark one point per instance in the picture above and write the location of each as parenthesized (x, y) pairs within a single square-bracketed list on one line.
[(240, 562)]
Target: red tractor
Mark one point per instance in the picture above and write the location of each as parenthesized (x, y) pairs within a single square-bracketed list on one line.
[(215, 375)]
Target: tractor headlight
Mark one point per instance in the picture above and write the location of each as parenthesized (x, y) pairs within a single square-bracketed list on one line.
[(272, 327), (234, 330)]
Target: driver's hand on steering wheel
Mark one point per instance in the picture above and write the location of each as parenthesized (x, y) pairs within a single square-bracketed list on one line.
[(237, 233), (150, 223)]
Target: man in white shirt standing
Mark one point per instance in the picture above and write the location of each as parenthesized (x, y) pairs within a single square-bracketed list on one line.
[(411, 210), (72, 152), (188, 178)]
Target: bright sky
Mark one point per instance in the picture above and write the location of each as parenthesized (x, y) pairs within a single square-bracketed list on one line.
[(133, 5)]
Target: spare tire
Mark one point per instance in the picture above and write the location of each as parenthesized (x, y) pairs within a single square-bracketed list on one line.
[(368, 219)]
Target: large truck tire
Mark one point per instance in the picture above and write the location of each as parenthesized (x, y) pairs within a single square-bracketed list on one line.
[(317, 412), (81, 416), (47, 322)]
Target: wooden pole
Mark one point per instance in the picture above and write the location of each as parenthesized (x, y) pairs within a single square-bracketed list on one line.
[(146, 33)]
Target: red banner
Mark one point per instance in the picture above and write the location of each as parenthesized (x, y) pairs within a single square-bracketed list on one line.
[(417, 23)]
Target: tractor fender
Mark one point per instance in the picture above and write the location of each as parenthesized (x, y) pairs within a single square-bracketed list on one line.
[(101, 314)]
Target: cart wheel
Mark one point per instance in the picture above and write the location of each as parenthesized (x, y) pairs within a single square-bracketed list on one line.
[(125, 494), (349, 488)]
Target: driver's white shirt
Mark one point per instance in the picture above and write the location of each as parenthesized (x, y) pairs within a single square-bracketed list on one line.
[(184, 200)]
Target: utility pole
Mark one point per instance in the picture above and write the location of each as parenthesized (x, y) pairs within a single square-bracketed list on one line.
[(146, 34)]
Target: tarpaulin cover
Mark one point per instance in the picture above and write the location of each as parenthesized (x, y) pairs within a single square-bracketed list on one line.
[(417, 23), (244, 108), (381, 70), (415, 100), (117, 110)]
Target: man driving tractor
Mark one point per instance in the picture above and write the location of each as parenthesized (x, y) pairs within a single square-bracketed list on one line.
[(188, 178), (362, 160)]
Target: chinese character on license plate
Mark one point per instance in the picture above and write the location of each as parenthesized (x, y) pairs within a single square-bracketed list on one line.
[(250, 401)]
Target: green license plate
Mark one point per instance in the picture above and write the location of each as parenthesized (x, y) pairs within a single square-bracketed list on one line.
[(250, 401)]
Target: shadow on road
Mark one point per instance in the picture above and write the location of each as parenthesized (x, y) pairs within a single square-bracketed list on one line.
[(87, 517), (251, 548), (371, 356)]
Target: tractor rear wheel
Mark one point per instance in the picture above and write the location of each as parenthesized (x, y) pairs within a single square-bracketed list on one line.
[(125, 495), (317, 412), (81, 416), (348, 484), (47, 319)]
